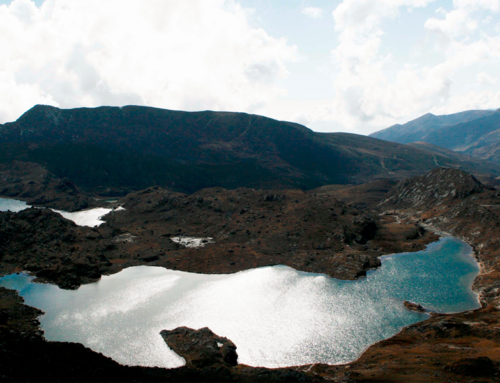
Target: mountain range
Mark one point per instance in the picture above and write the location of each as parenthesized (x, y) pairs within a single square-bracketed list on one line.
[(475, 133), (115, 150)]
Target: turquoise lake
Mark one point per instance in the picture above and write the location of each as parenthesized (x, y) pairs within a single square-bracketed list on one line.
[(276, 316)]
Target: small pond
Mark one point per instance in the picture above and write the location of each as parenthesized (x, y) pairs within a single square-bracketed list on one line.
[(91, 217), (276, 316)]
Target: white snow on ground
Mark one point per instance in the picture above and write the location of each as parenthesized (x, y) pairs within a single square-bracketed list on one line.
[(192, 242), (127, 237)]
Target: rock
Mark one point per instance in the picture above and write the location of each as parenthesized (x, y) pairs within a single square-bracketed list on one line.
[(4, 317), (434, 188), (151, 258), (275, 198), (201, 348), (414, 307), (481, 366), (34, 184)]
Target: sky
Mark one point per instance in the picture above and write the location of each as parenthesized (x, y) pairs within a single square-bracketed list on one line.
[(332, 65)]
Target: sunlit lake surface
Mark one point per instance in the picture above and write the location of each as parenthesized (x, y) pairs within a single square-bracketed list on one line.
[(91, 217), (276, 316)]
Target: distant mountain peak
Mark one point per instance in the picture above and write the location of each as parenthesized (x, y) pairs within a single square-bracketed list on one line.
[(420, 128)]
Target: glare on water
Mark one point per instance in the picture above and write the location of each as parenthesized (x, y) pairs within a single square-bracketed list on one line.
[(276, 316)]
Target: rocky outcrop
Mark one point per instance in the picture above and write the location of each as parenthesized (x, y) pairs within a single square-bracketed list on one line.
[(34, 184), (414, 307), (201, 348), (474, 367), (50, 246), (434, 188)]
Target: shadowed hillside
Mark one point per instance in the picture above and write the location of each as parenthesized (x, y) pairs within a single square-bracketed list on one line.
[(111, 150)]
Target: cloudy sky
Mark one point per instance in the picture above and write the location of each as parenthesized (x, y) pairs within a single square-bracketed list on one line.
[(332, 65)]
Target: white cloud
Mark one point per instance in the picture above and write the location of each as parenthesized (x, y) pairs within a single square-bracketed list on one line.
[(469, 101), (455, 24), (487, 20), (364, 95), (491, 5), (486, 79), (189, 55), (372, 92), (312, 12)]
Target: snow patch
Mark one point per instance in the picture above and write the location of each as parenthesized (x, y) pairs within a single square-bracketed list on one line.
[(127, 237), (192, 242)]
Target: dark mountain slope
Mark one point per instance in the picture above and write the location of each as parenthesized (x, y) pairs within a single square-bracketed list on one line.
[(115, 150), (418, 129), (134, 147)]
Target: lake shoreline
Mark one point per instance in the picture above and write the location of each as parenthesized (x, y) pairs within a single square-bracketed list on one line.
[(342, 242), (444, 347), (371, 295)]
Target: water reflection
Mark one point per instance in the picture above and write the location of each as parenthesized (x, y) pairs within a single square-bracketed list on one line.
[(277, 316)]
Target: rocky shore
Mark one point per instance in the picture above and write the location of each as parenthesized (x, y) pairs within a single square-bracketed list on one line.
[(318, 231)]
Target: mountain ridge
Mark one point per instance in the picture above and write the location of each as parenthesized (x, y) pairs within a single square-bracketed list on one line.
[(475, 137), (417, 129), (115, 150)]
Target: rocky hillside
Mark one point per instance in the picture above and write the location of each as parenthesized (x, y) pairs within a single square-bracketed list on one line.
[(112, 151), (34, 184), (435, 188)]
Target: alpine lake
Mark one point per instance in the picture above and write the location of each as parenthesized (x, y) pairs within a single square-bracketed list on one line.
[(276, 316)]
